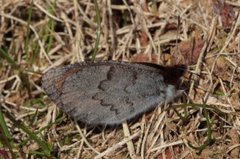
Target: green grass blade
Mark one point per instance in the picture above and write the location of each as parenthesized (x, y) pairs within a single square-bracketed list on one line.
[(98, 32), (4, 125), (6, 135), (45, 146), (5, 55)]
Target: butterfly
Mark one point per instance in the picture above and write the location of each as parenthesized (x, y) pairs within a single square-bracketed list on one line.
[(110, 92)]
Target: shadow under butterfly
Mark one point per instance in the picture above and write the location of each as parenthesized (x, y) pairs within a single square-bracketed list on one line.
[(108, 92)]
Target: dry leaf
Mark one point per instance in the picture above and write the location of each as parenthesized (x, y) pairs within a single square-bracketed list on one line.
[(189, 50), (145, 58), (225, 11), (221, 67), (170, 153)]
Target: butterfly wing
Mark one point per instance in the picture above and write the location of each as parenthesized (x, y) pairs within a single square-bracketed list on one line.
[(106, 92)]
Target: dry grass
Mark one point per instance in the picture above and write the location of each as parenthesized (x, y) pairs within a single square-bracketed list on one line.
[(204, 35)]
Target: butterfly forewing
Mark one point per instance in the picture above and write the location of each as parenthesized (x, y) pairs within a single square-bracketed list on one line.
[(106, 92)]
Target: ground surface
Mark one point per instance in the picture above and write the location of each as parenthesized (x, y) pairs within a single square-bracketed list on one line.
[(203, 35)]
